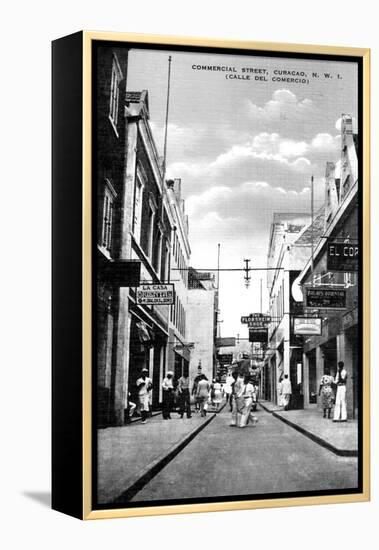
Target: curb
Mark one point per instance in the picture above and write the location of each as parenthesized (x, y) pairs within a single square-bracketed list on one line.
[(312, 436), (152, 469)]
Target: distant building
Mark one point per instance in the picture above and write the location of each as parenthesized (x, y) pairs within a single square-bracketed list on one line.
[(287, 255), (201, 322)]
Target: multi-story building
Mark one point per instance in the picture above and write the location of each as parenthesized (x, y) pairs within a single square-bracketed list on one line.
[(147, 238), (289, 250), (110, 126), (339, 338), (201, 322), (135, 228), (179, 348)]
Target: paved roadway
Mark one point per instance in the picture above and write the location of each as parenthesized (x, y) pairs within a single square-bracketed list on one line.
[(271, 458)]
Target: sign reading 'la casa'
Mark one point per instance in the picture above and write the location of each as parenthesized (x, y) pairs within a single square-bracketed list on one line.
[(342, 257), (155, 295)]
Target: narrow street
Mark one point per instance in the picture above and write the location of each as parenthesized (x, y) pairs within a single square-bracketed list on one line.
[(270, 458)]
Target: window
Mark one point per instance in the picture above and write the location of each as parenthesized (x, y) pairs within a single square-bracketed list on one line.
[(137, 218), (150, 233), (116, 78), (107, 222)]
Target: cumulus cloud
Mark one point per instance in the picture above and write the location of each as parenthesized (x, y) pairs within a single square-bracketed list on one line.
[(283, 106)]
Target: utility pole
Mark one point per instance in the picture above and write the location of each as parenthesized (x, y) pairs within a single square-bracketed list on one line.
[(247, 273), (165, 137), (312, 243)]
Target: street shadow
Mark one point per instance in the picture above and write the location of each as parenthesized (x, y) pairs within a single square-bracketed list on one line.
[(42, 497)]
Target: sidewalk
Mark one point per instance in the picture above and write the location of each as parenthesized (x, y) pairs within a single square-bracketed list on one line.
[(341, 438), (131, 455)]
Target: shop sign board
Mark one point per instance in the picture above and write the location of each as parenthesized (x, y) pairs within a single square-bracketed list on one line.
[(307, 326), (225, 342), (155, 294), (258, 335), (342, 257), (325, 298), (256, 319)]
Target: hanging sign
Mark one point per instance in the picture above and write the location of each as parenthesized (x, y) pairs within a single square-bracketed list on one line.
[(342, 257), (256, 319), (307, 326), (258, 335), (325, 298), (155, 294)]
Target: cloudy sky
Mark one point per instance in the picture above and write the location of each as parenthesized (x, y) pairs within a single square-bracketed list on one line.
[(244, 149)]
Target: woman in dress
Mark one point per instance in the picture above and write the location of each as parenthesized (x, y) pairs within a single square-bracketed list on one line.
[(326, 393), (217, 394), (202, 394)]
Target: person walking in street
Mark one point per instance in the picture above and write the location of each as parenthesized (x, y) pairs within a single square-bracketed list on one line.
[(326, 393), (202, 394), (237, 400), (228, 390), (217, 394), (286, 392), (184, 395), (144, 385), (340, 407), (194, 391), (246, 399), (168, 395)]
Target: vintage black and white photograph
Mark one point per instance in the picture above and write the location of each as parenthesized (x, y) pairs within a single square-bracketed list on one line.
[(227, 296)]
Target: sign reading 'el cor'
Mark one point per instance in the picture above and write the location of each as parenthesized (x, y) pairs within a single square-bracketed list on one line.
[(325, 298), (343, 257)]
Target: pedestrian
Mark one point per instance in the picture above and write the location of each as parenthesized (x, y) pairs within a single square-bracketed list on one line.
[(286, 392), (340, 407), (184, 395), (238, 402), (168, 395), (246, 399), (144, 385), (202, 394), (280, 391), (194, 391), (129, 409), (228, 390), (217, 394), (326, 393)]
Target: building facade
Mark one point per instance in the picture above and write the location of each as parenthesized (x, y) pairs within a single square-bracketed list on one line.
[(339, 338), (201, 322), (179, 348), (110, 121), (287, 255)]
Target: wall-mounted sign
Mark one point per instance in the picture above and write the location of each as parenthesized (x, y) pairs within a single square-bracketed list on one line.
[(256, 319), (225, 342), (155, 294), (307, 326), (258, 335), (342, 257), (325, 298)]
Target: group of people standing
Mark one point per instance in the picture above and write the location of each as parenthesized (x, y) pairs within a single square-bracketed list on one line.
[(242, 398), (332, 391), (176, 395)]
